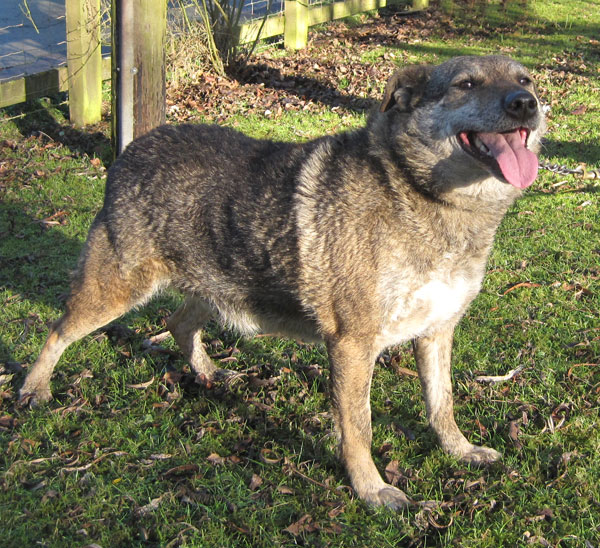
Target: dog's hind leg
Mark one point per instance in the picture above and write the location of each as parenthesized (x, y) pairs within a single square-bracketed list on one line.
[(185, 324), (101, 291), (433, 362), (351, 371)]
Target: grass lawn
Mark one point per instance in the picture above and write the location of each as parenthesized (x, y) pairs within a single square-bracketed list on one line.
[(132, 452)]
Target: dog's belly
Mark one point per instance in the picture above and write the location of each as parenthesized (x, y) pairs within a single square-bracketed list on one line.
[(417, 313), (283, 318)]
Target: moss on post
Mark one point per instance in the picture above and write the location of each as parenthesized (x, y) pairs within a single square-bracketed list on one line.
[(296, 24), (84, 61)]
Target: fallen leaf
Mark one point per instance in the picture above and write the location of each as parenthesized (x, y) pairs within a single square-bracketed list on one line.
[(268, 456), (255, 482), (304, 524), (142, 385), (150, 507), (182, 470), (521, 284), (336, 511), (392, 472), (513, 434), (172, 377), (7, 422), (160, 456), (216, 459), (579, 109)]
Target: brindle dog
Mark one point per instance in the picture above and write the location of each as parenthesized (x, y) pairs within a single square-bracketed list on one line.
[(362, 240)]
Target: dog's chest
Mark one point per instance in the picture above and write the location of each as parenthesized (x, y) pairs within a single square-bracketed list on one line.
[(415, 310)]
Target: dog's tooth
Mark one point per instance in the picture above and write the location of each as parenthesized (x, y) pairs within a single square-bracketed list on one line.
[(480, 145)]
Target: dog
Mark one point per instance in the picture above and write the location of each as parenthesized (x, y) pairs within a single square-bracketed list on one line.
[(363, 240)]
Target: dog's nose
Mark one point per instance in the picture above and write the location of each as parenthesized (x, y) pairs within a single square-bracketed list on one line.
[(520, 104)]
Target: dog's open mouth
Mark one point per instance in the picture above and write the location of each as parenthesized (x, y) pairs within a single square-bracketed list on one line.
[(504, 152)]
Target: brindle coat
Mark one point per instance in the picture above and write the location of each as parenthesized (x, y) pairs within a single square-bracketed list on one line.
[(363, 240)]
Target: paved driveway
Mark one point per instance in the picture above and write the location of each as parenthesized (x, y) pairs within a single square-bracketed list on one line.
[(24, 50)]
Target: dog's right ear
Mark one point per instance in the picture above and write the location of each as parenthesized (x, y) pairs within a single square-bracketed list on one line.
[(405, 88)]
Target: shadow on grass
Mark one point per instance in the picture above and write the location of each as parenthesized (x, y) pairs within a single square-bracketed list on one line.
[(33, 118), (513, 24), (35, 260), (576, 151), (303, 87)]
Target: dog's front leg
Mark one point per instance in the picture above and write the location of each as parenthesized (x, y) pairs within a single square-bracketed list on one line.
[(351, 371), (433, 362)]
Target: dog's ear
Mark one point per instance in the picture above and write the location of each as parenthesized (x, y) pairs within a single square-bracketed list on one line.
[(405, 87)]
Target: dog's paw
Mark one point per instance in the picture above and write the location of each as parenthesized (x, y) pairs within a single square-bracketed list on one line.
[(388, 496), (219, 376), (32, 396), (480, 456)]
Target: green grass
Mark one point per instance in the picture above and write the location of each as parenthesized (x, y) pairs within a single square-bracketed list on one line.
[(175, 464)]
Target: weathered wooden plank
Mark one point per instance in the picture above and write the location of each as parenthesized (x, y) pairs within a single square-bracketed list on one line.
[(275, 24), (149, 59), (339, 10), (42, 84), (295, 34), (84, 61)]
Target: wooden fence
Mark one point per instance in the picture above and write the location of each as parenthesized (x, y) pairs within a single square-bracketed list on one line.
[(86, 69), (298, 15)]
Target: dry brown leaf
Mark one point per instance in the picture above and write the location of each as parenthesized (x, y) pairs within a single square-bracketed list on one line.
[(304, 524), (392, 472), (513, 434), (150, 507), (216, 459), (255, 482), (336, 511), (8, 422), (142, 385), (520, 284), (182, 470), (172, 377), (268, 456)]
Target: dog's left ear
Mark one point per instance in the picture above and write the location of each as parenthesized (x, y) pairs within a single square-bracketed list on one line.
[(405, 88)]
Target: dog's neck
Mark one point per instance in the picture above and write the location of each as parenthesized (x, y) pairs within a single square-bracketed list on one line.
[(428, 172)]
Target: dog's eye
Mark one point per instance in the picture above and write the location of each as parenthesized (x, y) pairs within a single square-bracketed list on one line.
[(466, 84), (524, 80)]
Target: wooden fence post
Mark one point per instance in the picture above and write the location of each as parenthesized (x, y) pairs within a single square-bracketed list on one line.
[(139, 32), (84, 61), (149, 57), (296, 24)]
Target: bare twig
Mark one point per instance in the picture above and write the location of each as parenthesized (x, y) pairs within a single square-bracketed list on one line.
[(500, 378)]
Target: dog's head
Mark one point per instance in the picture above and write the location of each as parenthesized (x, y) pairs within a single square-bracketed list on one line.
[(465, 120)]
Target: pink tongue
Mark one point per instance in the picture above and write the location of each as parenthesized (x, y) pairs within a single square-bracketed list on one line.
[(518, 164)]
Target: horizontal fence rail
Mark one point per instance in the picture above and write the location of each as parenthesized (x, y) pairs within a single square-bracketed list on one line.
[(297, 16)]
